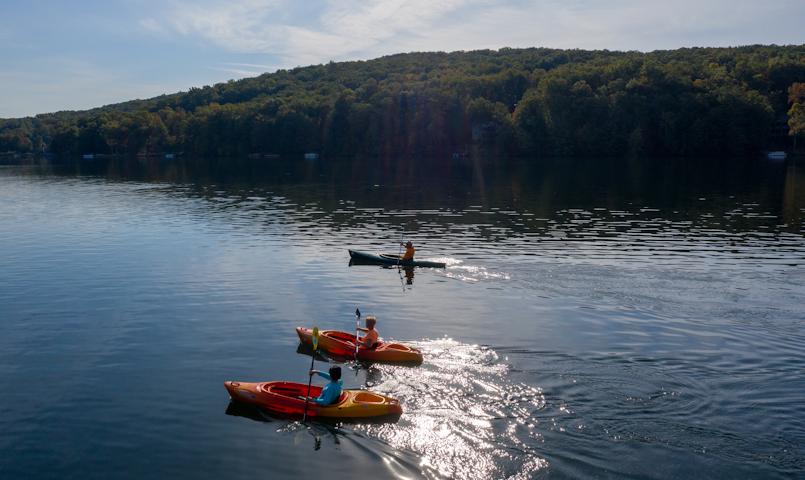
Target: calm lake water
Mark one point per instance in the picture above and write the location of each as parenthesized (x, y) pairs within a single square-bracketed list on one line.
[(597, 319)]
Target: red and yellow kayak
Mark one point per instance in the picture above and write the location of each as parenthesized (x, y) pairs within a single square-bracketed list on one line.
[(343, 344), (287, 398)]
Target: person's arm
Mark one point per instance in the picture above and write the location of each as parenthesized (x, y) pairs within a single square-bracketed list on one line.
[(321, 400), (363, 329), (321, 374)]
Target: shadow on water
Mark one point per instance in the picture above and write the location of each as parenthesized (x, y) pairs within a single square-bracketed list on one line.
[(325, 433), (406, 273), (319, 355), (252, 412)]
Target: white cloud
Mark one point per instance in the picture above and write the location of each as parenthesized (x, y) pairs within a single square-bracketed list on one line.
[(253, 66), (241, 70), (381, 19), (152, 25), (340, 30), (359, 29), (243, 26)]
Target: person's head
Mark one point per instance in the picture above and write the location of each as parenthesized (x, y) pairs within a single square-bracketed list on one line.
[(371, 321), (408, 244), (335, 373)]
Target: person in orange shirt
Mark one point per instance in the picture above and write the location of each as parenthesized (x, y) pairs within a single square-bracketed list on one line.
[(409, 251), (371, 338)]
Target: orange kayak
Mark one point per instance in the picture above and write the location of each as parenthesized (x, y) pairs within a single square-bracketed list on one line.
[(343, 344), (287, 398)]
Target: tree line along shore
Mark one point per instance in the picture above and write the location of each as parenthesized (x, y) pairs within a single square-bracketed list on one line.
[(536, 102)]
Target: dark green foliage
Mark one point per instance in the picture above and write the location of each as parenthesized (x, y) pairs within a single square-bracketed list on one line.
[(700, 101), (796, 114)]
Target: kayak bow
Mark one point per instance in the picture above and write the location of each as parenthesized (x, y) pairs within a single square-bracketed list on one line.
[(365, 258), (287, 398)]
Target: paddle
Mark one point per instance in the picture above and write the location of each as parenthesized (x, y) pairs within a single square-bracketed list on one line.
[(399, 250), (399, 257), (357, 330), (310, 375)]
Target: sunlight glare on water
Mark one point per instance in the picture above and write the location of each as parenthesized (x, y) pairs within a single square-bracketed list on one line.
[(471, 273), (464, 416)]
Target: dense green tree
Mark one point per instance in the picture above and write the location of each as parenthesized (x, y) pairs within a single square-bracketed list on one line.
[(686, 102), (796, 114)]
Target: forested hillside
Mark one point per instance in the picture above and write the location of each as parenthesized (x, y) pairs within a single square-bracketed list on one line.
[(701, 101)]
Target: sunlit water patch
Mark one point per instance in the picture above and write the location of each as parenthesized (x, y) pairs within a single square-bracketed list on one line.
[(463, 416), (471, 273)]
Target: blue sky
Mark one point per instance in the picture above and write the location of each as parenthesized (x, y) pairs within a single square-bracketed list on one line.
[(58, 55)]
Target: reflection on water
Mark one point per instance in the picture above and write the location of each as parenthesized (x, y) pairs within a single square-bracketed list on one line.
[(406, 274), (627, 319)]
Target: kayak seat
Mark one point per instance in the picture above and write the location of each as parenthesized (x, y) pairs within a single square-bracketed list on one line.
[(341, 399), (373, 347)]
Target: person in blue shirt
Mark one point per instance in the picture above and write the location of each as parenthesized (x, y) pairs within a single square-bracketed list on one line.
[(331, 391)]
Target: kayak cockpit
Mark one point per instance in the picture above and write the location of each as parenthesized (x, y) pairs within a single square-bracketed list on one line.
[(340, 336), (397, 346), (296, 391), (289, 389), (369, 397)]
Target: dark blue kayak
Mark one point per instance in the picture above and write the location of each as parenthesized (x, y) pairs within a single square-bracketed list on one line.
[(364, 258)]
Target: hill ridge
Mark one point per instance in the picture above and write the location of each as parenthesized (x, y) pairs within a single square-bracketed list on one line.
[(688, 101)]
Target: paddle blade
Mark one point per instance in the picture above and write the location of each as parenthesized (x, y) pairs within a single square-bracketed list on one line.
[(315, 338), (357, 313)]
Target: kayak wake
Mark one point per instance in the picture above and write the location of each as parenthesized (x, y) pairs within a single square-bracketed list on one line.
[(457, 270)]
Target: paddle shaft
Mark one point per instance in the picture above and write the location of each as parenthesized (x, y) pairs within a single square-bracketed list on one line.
[(309, 381), (357, 331), (399, 258), (314, 337), (399, 250)]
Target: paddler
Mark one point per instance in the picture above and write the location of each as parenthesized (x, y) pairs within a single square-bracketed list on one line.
[(371, 338), (330, 393), (409, 251)]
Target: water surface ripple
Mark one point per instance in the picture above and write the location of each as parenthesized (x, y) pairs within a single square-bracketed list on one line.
[(595, 320)]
